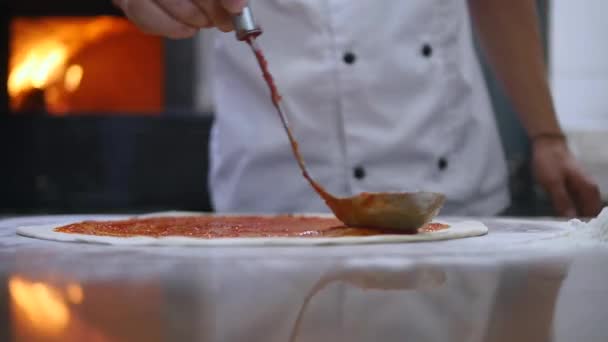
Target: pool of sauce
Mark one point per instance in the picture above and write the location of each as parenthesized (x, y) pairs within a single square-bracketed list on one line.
[(210, 227)]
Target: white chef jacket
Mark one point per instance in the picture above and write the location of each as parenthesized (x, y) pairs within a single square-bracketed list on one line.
[(383, 95)]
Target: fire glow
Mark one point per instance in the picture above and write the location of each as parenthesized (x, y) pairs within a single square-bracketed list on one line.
[(42, 62), (41, 50), (39, 304)]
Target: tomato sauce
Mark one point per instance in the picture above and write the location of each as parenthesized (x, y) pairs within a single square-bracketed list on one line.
[(210, 227), (336, 205)]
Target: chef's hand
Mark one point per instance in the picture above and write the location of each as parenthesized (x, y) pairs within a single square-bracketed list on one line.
[(572, 191), (180, 18)]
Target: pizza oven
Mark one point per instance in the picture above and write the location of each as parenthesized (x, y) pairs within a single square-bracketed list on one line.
[(96, 115), (63, 66)]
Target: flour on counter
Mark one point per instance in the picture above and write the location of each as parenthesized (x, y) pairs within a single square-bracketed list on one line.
[(595, 230)]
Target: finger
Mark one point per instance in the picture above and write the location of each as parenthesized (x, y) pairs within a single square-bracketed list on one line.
[(585, 191), (561, 199), (152, 19), (185, 11), (233, 6), (220, 18)]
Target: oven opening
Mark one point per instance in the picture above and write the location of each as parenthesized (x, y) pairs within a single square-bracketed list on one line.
[(75, 65)]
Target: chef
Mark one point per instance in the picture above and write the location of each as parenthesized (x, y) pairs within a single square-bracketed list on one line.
[(383, 95)]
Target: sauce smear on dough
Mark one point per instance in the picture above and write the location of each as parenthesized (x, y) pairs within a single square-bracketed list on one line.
[(210, 227)]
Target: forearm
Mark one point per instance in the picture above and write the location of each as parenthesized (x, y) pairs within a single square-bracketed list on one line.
[(510, 37)]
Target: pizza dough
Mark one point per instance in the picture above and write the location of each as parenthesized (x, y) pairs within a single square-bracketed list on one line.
[(457, 230)]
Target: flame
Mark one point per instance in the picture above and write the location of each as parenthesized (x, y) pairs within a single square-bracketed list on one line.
[(40, 304), (73, 76), (41, 50), (41, 63)]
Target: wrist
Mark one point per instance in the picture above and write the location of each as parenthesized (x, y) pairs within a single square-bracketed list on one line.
[(548, 137), (549, 140), (553, 135)]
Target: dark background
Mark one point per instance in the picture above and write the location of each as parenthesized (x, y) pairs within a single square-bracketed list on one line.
[(99, 162)]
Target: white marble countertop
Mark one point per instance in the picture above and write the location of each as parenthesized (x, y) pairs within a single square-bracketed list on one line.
[(514, 284)]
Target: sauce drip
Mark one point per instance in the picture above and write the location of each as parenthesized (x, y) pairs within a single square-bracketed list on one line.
[(210, 227), (275, 95)]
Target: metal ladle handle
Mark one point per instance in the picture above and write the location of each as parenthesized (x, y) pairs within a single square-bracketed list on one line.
[(245, 25)]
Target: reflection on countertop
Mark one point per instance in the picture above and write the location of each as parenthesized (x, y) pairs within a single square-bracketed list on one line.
[(446, 291), (52, 310)]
